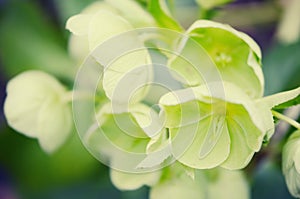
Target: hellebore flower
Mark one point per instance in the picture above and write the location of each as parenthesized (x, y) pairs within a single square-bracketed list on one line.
[(291, 163), (35, 107), (217, 124), (103, 21), (212, 51), (120, 135)]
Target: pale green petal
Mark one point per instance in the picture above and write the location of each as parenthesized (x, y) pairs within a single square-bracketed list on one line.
[(180, 108), (245, 126), (78, 47), (132, 12), (121, 129), (158, 142), (104, 25), (229, 185), (211, 24), (292, 178), (125, 80), (118, 137), (240, 153), (201, 127), (259, 114), (158, 151), (132, 181), (290, 163), (54, 125), (79, 24), (176, 103), (266, 104), (34, 106), (192, 155), (290, 150), (193, 66), (236, 58), (279, 98), (297, 159), (176, 184)]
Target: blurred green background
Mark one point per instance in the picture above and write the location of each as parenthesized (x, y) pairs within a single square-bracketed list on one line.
[(32, 36)]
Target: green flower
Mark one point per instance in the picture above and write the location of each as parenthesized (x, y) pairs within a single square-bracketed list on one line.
[(212, 51), (122, 134), (218, 124), (127, 71), (291, 163), (102, 20), (35, 106)]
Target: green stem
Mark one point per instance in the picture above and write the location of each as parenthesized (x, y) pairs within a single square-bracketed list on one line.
[(286, 119)]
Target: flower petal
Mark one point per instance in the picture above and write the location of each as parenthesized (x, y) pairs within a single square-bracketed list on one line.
[(240, 152), (185, 147), (132, 181), (104, 25), (34, 107), (130, 10), (79, 24)]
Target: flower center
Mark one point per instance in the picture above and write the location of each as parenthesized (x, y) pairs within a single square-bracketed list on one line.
[(222, 59)]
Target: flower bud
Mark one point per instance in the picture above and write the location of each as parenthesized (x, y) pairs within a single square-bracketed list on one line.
[(291, 163)]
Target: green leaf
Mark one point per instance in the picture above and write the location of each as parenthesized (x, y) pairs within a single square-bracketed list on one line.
[(221, 188), (159, 10)]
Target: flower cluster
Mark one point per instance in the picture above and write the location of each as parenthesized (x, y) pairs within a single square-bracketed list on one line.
[(215, 118)]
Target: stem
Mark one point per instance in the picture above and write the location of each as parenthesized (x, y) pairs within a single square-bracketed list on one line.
[(286, 119)]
